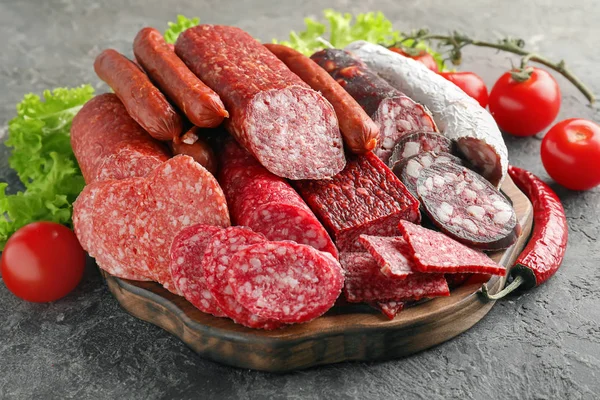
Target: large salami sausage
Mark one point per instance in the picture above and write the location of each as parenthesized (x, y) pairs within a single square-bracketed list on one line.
[(291, 129), (267, 203), (358, 129), (467, 207), (109, 144), (365, 198), (143, 101), (392, 110), (200, 104)]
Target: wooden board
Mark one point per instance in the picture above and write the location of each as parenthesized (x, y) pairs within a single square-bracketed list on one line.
[(346, 332)]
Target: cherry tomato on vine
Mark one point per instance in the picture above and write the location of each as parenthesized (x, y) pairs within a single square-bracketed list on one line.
[(470, 83), (524, 108), (571, 153), (42, 262), (421, 56)]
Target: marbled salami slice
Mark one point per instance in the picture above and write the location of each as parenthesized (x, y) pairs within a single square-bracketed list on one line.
[(389, 308), (132, 158), (435, 252), (186, 256), (267, 203), (419, 142), (285, 281), (467, 207), (365, 198), (392, 254), (216, 263), (410, 169), (366, 283)]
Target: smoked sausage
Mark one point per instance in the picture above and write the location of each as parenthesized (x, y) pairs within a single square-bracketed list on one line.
[(199, 150)]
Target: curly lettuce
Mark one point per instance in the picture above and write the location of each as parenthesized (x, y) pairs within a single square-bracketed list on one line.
[(43, 159), (175, 28)]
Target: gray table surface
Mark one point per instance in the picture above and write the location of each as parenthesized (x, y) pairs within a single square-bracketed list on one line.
[(544, 344)]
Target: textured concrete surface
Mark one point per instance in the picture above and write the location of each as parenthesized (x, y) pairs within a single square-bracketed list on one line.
[(544, 344)]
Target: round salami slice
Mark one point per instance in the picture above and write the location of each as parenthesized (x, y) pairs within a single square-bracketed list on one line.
[(132, 159), (285, 281), (83, 210), (216, 264), (409, 170), (467, 207), (186, 254), (419, 142)]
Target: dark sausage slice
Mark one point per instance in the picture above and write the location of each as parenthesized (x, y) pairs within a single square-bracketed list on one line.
[(143, 101), (198, 149), (358, 129), (109, 144), (201, 105), (419, 142), (392, 111), (409, 170), (289, 128), (467, 207)]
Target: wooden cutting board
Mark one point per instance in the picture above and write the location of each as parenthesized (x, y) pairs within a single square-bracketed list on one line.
[(346, 332)]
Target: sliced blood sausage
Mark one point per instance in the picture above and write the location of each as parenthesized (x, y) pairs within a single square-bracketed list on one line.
[(467, 207), (291, 129), (200, 104), (285, 281), (435, 252), (185, 265), (392, 111), (197, 148), (389, 308), (419, 142), (216, 263), (409, 170), (392, 254), (143, 101), (359, 131), (267, 203), (109, 144), (365, 198), (366, 283)]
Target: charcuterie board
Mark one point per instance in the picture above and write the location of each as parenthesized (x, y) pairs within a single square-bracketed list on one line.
[(345, 333)]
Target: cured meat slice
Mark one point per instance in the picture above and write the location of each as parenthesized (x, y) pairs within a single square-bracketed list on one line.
[(366, 283), (459, 116), (365, 198), (389, 308), (392, 111), (467, 207), (285, 281), (216, 263), (267, 203), (290, 128), (392, 254), (419, 142), (455, 280), (109, 144), (409, 170), (435, 252), (185, 265)]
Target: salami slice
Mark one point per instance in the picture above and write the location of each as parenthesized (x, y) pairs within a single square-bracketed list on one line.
[(435, 252), (389, 308), (290, 128), (467, 207), (392, 111), (409, 170), (267, 203), (455, 280), (392, 254), (216, 263), (419, 142), (109, 144), (285, 281), (366, 283), (186, 269), (365, 198)]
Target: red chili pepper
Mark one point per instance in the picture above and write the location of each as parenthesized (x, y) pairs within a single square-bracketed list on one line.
[(546, 248)]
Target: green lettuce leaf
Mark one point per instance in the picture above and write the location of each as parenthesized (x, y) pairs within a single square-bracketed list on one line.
[(175, 28), (43, 159)]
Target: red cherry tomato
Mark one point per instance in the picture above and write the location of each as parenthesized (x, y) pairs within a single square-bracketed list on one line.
[(470, 83), (571, 153), (525, 108), (42, 262), (421, 56)]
